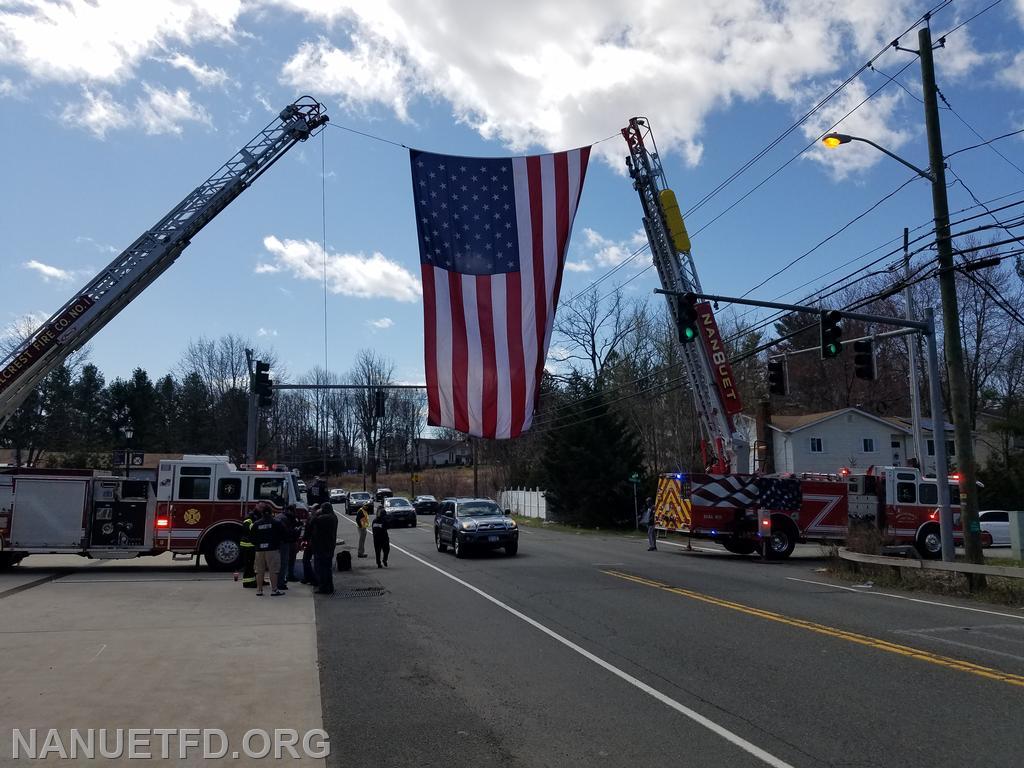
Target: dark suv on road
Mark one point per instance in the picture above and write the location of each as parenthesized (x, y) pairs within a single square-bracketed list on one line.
[(465, 524), (356, 499)]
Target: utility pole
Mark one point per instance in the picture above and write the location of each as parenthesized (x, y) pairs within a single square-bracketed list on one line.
[(476, 475), (958, 394), (915, 392)]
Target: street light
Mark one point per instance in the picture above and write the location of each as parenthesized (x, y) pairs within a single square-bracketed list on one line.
[(129, 433), (833, 140)]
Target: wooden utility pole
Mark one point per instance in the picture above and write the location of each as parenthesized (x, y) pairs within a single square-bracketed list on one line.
[(958, 394)]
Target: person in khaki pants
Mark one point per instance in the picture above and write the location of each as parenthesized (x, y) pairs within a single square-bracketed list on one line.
[(267, 534), (363, 521)]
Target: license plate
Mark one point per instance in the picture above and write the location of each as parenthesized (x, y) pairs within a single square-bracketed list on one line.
[(492, 538)]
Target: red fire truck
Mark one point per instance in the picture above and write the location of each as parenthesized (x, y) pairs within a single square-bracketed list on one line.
[(747, 512), (195, 507)]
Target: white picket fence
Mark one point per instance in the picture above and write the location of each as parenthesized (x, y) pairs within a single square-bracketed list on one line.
[(525, 502)]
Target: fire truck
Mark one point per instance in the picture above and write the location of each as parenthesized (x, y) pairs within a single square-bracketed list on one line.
[(750, 512), (771, 513), (197, 504), (195, 507)]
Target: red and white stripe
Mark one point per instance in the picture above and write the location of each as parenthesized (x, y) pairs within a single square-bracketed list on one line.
[(487, 336)]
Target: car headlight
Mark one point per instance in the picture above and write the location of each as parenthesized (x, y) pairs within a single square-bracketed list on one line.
[(468, 525), (511, 524)]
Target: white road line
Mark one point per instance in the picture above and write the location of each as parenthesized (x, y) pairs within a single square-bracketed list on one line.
[(101, 650), (911, 599), (947, 641), (698, 718)]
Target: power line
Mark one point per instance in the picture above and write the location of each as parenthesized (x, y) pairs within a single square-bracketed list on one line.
[(985, 143), (986, 9)]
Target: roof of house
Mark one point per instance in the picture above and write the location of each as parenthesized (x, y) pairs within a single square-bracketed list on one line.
[(802, 421)]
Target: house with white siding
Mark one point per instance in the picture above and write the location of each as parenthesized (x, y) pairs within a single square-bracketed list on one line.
[(847, 437)]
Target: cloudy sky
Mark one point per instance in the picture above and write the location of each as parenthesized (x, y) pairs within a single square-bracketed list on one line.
[(112, 110)]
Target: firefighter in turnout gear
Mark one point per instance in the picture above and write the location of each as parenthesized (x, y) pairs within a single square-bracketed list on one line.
[(248, 551)]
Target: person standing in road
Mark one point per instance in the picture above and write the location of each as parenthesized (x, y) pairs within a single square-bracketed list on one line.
[(323, 539), (648, 519), (363, 521), (381, 539), (268, 534), (248, 551)]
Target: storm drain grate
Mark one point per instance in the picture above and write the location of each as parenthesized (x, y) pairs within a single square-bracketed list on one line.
[(365, 592)]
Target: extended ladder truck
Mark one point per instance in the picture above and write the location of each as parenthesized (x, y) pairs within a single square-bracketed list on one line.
[(37, 502), (746, 512)]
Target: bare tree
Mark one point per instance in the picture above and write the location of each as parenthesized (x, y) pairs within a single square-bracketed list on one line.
[(371, 372), (593, 329)]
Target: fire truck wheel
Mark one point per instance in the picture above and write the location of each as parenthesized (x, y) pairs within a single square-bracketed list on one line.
[(223, 552), (739, 546), (782, 541), (929, 542)]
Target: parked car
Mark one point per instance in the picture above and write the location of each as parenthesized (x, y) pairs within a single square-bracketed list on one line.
[(399, 511), (338, 495), (383, 493), (425, 505), (356, 499), (464, 524), (996, 522)]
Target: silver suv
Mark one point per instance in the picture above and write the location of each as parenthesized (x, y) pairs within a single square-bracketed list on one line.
[(465, 524)]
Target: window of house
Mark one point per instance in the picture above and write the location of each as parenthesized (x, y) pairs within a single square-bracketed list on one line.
[(229, 489), (950, 448), (816, 445), (906, 493), (869, 445)]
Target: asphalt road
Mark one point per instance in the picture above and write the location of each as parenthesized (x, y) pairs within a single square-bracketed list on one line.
[(588, 650)]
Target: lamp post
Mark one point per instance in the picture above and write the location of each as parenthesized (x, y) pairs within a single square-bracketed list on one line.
[(129, 433), (958, 386)]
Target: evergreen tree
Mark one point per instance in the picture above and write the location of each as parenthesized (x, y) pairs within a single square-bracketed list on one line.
[(588, 456)]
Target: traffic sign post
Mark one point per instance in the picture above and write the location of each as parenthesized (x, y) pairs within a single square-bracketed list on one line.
[(635, 480)]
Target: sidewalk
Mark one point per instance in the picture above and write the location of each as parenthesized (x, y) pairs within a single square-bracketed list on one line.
[(151, 643)]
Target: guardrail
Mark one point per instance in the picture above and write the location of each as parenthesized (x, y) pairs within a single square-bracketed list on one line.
[(932, 565)]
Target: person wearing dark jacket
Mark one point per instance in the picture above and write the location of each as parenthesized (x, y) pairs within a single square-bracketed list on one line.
[(323, 538), (248, 551), (381, 539), (308, 571), (289, 525), (267, 535)]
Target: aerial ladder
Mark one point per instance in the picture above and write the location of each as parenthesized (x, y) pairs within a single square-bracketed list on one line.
[(145, 260), (707, 367)]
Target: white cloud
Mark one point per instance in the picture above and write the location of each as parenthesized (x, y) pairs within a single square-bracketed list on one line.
[(959, 57), (1014, 74), (162, 111), (579, 266), (103, 40), (97, 112), (381, 323), (565, 74), (157, 111), (367, 72), (262, 268), (7, 87), (873, 120), (101, 247), (368, 277), (267, 332), (609, 253), (47, 271), (207, 77)]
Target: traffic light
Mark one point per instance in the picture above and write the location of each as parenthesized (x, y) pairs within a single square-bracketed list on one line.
[(778, 380), (831, 334), (687, 323), (864, 359), (262, 385), (378, 404)]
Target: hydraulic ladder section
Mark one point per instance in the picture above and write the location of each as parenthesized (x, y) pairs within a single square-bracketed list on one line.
[(677, 272), (145, 260)]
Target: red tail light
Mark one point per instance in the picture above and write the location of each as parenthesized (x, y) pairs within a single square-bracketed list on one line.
[(163, 522)]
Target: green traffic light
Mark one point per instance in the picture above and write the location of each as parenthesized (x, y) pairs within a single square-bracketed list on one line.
[(689, 332)]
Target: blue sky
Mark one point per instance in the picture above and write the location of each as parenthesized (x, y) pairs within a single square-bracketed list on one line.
[(112, 111)]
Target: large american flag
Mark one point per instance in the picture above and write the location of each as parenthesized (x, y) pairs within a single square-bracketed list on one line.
[(493, 235)]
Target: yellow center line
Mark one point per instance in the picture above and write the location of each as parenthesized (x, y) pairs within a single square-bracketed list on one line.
[(822, 629)]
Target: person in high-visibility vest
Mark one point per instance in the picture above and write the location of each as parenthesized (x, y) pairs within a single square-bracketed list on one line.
[(248, 552)]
